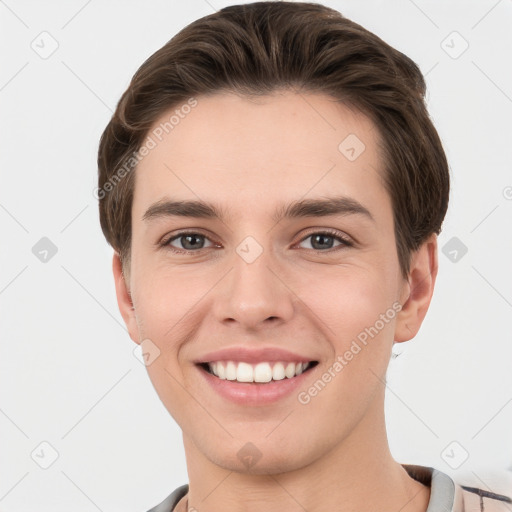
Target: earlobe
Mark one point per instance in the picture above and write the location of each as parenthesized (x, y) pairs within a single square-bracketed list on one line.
[(422, 278), (124, 299)]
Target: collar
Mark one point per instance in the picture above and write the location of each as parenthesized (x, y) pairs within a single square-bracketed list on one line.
[(445, 494)]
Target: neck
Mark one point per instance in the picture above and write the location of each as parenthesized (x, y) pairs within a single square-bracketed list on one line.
[(357, 474)]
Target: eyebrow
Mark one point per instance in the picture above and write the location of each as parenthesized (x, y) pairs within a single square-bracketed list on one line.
[(322, 207)]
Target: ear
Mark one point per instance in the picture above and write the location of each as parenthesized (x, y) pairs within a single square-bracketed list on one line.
[(417, 291), (124, 299)]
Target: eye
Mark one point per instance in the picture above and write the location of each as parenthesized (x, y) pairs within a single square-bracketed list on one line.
[(324, 240), (189, 242)]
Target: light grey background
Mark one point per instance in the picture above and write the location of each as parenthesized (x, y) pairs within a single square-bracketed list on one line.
[(68, 374)]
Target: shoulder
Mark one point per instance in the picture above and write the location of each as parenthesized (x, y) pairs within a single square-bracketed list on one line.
[(489, 492), (480, 500)]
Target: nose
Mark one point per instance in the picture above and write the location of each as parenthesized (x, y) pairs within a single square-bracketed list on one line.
[(254, 295)]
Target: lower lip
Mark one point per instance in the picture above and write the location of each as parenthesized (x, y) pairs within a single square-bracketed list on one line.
[(252, 393)]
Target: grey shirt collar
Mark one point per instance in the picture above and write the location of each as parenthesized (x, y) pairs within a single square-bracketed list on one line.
[(445, 495)]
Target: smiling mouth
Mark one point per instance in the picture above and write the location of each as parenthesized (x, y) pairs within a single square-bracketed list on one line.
[(260, 373)]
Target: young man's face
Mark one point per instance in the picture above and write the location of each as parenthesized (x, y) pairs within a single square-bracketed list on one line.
[(258, 281)]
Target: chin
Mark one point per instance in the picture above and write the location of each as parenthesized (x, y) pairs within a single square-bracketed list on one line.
[(268, 465), (261, 457)]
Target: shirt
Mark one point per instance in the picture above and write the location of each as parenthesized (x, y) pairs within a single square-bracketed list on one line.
[(445, 494)]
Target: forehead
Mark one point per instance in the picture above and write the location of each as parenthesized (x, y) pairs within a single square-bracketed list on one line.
[(249, 152)]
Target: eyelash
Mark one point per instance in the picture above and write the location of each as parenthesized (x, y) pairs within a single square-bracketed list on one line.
[(345, 242)]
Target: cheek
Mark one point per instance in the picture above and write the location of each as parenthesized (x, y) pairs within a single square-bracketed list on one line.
[(356, 316), (169, 305), (347, 300), (168, 312)]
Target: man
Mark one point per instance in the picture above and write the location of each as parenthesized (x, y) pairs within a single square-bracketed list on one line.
[(273, 188)]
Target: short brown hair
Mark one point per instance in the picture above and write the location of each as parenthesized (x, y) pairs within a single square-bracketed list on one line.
[(258, 48)]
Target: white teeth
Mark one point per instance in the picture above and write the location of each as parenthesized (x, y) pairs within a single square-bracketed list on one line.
[(261, 372), (278, 371), (290, 370), (244, 373), (221, 371), (230, 370)]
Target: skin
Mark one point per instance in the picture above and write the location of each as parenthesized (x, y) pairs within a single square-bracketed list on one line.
[(249, 156)]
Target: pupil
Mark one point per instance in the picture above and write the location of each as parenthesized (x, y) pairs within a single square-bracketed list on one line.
[(322, 238), (191, 237)]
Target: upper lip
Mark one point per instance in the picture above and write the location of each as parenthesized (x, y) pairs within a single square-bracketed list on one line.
[(254, 355)]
